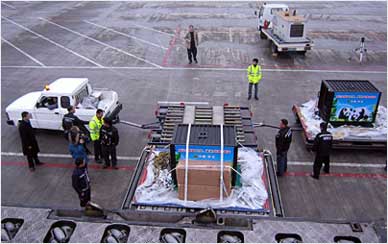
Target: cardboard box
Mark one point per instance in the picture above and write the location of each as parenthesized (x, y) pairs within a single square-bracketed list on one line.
[(200, 192), (204, 173)]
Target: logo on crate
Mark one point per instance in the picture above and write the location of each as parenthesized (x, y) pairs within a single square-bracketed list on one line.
[(206, 153), (354, 107)]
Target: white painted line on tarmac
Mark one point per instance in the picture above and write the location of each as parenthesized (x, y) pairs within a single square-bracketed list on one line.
[(55, 155), (23, 52), (152, 29), (355, 165), (125, 34), (8, 5), (51, 41), (188, 68), (102, 43)]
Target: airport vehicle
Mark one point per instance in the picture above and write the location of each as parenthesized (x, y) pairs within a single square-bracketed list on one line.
[(47, 107), (285, 31)]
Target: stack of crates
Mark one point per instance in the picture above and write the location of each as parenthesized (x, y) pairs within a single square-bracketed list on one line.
[(204, 169)]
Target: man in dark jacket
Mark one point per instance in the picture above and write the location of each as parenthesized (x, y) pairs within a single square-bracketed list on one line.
[(70, 119), (81, 182), (322, 147), (109, 137), (283, 141), (29, 143), (191, 39)]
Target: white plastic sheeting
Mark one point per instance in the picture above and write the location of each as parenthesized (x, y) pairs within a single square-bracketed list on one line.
[(252, 194), (377, 132)]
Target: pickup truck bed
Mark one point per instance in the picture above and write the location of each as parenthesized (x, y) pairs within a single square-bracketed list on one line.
[(279, 45)]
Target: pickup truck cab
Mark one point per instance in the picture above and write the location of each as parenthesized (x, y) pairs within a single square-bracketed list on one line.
[(48, 107)]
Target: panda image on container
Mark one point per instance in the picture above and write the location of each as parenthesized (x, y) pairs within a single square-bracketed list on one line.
[(353, 114)]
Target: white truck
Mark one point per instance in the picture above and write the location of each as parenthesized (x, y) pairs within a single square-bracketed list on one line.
[(47, 107), (286, 31)]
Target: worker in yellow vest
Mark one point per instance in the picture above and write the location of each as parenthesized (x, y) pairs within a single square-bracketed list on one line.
[(254, 77), (95, 125)]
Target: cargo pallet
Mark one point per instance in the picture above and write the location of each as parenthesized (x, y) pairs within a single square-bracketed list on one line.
[(355, 144)]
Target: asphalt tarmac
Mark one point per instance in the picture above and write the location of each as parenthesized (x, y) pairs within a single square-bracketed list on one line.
[(137, 49)]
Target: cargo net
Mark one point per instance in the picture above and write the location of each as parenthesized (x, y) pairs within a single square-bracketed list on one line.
[(158, 187), (309, 113)]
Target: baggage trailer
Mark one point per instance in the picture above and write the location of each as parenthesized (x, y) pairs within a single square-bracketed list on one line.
[(346, 143), (170, 116), (351, 108)]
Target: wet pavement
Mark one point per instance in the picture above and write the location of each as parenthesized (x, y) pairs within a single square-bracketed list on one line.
[(137, 49)]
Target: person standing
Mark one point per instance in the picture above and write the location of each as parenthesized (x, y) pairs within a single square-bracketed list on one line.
[(71, 119), (109, 140), (191, 39), (95, 125), (81, 182), (29, 143), (254, 77), (283, 142), (322, 147)]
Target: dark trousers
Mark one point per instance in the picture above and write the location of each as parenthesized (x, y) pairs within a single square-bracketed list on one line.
[(250, 90), (84, 198), (31, 158), (281, 159), (97, 150), (319, 160), (192, 52), (109, 154)]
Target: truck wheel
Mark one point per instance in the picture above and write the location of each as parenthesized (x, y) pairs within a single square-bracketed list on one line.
[(274, 48)]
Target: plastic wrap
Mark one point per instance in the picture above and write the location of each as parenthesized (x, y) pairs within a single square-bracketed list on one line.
[(251, 195), (309, 112)]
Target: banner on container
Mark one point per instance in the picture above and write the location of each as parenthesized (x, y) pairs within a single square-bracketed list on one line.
[(205, 153)]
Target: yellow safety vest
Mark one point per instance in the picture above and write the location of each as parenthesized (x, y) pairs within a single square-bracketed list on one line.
[(254, 74), (95, 125)]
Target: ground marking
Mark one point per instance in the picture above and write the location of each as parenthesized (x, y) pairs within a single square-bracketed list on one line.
[(296, 163), (188, 68), (152, 29), (55, 155), (67, 166), (56, 44), (26, 54), (125, 34), (102, 43), (8, 5)]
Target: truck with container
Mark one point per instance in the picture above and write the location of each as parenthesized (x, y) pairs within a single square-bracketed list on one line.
[(285, 31)]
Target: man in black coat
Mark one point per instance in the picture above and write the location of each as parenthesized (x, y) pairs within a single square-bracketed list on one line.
[(109, 137), (322, 147), (81, 182), (283, 141), (29, 143), (70, 119)]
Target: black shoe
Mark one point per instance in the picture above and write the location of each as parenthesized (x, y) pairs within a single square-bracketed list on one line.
[(190, 62), (105, 166), (32, 169), (98, 161), (278, 174), (314, 177), (256, 98), (327, 172), (39, 163), (115, 167), (195, 61), (249, 98)]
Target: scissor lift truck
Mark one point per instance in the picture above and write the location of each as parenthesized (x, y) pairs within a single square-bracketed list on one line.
[(171, 115)]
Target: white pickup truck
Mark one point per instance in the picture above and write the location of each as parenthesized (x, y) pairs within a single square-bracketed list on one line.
[(48, 106), (285, 31)]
